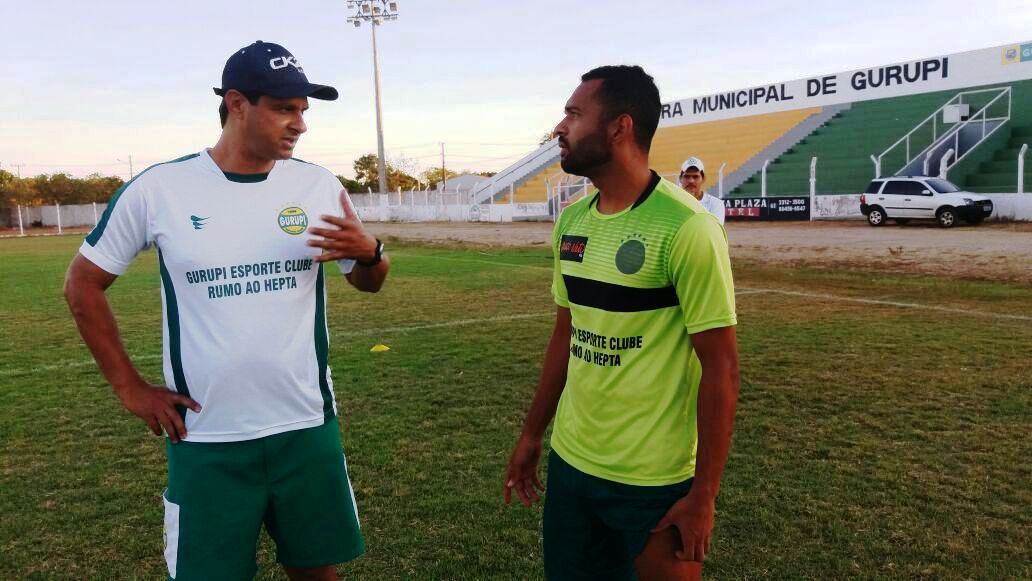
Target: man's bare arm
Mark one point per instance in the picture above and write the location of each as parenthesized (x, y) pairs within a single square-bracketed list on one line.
[(369, 279), (717, 350), (522, 472), (693, 515), (85, 285)]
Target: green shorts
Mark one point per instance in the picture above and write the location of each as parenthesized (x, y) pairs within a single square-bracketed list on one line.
[(220, 494), (595, 528)]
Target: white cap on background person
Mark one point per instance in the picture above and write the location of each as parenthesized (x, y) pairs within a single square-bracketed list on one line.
[(693, 162)]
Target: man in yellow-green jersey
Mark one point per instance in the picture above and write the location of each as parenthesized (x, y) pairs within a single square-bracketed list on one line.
[(641, 373)]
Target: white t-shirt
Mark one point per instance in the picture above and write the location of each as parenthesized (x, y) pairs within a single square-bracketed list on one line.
[(244, 303), (713, 205)]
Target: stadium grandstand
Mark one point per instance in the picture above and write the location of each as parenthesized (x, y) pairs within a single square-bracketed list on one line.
[(965, 115)]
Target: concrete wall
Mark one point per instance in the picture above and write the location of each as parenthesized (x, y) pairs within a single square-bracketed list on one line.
[(79, 215), (1016, 207), (384, 208), (1011, 206)]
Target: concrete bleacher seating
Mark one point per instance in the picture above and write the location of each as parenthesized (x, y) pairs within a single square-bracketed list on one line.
[(730, 141), (995, 169), (843, 147)]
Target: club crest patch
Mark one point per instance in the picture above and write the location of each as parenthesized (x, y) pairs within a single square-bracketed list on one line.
[(631, 256), (293, 220)]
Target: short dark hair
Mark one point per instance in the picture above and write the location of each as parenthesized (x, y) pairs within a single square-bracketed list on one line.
[(252, 98), (629, 90)]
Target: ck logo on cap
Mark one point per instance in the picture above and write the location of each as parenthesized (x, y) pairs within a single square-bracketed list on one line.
[(282, 62)]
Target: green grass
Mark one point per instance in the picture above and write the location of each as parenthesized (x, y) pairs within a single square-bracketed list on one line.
[(872, 441)]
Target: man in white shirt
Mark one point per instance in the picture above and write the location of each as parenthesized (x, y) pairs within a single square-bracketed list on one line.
[(247, 403), (692, 178)]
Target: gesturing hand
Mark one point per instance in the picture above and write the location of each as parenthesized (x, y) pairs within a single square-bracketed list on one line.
[(348, 240), (522, 473), (156, 405)]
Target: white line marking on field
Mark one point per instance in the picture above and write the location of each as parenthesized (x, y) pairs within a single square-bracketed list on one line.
[(493, 262), (455, 323), (888, 303), (404, 329), (741, 291), (68, 365)]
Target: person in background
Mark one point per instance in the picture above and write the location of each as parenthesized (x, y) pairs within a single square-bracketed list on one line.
[(692, 178)]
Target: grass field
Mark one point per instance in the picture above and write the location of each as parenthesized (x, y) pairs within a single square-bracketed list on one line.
[(873, 440)]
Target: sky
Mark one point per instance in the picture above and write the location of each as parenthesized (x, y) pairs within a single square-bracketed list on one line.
[(86, 85)]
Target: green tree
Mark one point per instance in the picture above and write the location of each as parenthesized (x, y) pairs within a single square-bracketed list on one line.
[(98, 188), (398, 179), (21, 192), (434, 175), (352, 186), (366, 171), (58, 187), (367, 175)]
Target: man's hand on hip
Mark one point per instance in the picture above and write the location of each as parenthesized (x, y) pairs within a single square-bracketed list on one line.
[(693, 517), (156, 405)]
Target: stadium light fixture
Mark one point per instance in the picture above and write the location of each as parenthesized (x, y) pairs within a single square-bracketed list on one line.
[(375, 12)]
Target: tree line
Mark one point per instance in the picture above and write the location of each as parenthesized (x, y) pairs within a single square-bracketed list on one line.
[(61, 188)]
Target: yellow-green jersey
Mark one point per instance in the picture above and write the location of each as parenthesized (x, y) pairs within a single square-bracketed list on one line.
[(637, 284)]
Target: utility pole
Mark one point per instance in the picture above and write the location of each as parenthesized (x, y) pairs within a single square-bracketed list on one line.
[(444, 173), (130, 166), (375, 12)]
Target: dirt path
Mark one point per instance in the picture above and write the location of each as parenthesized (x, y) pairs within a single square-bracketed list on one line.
[(990, 252), (995, 251)]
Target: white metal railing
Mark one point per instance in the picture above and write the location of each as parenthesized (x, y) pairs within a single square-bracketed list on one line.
[(1021, 168), (763, 179), (813, 185), (944, 164), (985, 133), (957, 99), (522, 168)]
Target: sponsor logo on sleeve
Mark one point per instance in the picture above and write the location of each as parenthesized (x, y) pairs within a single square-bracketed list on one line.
[(572, 247)]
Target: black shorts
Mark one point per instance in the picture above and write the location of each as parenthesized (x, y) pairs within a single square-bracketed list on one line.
[(595, 528)]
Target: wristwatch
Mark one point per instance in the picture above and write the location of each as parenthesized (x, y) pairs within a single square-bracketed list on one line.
[(377, 256)]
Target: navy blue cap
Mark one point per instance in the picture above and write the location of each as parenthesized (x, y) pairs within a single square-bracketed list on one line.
[(265, 68)]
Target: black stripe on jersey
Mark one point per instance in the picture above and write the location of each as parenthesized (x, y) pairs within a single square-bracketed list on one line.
[(618, 298)]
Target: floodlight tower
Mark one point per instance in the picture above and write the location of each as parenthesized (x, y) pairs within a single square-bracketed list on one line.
[(375, 12)]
